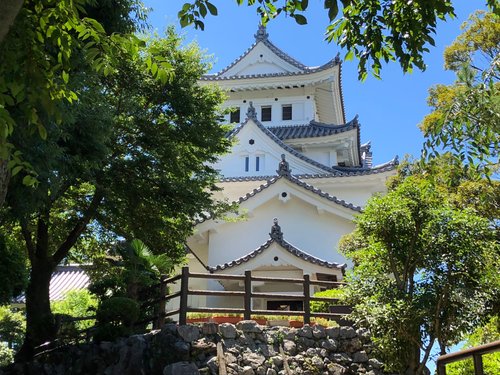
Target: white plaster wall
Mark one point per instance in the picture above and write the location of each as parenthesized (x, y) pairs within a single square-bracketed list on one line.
[(302, 225), (302, 108), (233, 164), (260, 60)]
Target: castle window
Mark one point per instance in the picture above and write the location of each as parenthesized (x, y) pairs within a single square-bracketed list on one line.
[(235, 116), (247, 163), (286, 112), (265, 113), (257, 163)]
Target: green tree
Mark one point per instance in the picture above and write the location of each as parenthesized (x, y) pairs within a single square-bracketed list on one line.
[(425, 271), (373, 31), (466, 115), (42, 43), (130, 160), (13, 268)]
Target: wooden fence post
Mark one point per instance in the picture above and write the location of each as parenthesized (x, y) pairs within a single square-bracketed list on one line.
[(478, 364), (160, 320), (307, 300), (184, 296), (248, 295)]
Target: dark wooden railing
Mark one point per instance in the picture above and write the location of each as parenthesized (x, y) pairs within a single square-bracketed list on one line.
[(247, 294), (476, 353)]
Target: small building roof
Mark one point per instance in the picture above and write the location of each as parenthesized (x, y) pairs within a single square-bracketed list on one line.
[(64, 279)]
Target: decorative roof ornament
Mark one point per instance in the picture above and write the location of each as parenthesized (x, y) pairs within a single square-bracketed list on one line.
[(261, 34), (337, 58), (284, 167), (251, 113), (276, 233)]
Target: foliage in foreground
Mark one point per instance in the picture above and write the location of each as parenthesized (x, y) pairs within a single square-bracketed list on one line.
[(373, 31), (425, 270), (131, 160)]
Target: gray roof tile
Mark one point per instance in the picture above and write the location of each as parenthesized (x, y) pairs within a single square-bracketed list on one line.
[(312, 130)]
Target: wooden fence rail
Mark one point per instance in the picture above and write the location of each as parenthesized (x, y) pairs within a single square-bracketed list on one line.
[(247, 294), (476, 353)]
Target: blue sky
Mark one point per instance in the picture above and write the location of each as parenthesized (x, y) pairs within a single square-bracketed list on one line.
[(389, 109)]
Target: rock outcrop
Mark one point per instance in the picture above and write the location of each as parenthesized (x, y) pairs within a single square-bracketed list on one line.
[(247, 349)]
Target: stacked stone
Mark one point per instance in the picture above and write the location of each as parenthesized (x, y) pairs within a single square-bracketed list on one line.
[(247, 349)]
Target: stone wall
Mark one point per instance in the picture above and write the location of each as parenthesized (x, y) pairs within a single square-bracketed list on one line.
[(248, 349)]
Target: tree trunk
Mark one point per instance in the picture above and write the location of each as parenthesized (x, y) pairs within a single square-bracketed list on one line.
[(4, 180), (10, 9), (40, 324)]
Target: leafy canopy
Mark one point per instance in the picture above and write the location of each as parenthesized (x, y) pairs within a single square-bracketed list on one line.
[(425, 270), (466, 115), (373, 31)]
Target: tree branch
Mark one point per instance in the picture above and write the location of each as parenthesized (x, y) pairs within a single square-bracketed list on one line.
[(80, 226), (28, 239)]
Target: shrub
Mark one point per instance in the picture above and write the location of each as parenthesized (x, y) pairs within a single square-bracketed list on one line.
[(6, 355), (115, 318), (322, 306), (77, 304), (12, 326)]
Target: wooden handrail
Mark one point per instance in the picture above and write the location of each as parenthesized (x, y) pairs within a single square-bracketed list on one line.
[(476, 353), (247, 294)]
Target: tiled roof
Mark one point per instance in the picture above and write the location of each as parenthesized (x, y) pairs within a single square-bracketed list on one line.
[(285, 245), (312, 130), (381, 168), (296, 181), (262, 37), (64, 279), (283, 145), (218, 77)]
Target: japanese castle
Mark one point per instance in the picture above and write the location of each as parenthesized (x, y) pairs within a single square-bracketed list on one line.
[(297, 169)]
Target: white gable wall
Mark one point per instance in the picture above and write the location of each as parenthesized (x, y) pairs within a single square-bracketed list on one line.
[(302, 224), (268, 151), (260, 60)]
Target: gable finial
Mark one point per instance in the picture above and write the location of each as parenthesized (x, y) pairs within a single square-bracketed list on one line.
[(261, 34), (284, 167), (251, 112), (276, 233)]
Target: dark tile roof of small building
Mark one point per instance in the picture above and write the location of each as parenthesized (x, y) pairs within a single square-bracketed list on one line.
[(312, 130), (63, 280), (285, 245)]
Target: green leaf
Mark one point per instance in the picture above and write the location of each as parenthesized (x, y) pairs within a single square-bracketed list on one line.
[(300, 19), (65, 76), (16, 170), (212, 9)]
